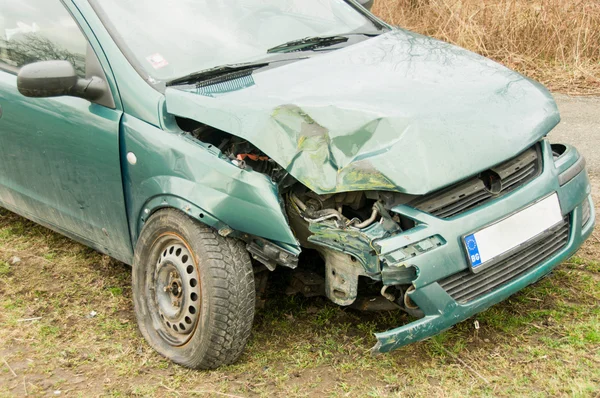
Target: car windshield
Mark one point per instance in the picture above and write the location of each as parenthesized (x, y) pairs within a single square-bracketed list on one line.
[(172, 38)]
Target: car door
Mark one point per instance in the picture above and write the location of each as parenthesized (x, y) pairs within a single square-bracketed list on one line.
[(59, 157)]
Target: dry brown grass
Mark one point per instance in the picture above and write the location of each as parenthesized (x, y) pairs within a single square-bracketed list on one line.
[(554, 41)]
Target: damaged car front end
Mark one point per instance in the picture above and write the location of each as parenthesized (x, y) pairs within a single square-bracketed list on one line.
[(410, 165), (415, 247), (386, 180)]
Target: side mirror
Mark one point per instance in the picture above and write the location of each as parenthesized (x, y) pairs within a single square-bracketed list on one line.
[(368, 4), (57, 78)]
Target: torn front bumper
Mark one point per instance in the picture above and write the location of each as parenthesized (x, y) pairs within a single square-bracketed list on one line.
[(448, 257)]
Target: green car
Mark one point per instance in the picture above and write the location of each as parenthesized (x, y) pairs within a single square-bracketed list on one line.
[(208, 142)]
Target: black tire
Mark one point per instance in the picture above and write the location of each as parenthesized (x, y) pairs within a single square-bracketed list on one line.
[(198, 325)]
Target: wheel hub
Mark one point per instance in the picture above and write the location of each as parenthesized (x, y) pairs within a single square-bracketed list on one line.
[(174, 289), (177, 292)]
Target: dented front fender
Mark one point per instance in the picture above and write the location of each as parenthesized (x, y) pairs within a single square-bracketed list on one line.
[(195, 178)]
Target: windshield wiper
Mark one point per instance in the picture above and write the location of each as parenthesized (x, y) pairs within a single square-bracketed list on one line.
[(308, 43), (312, 43), (305, 44), (218, 71)]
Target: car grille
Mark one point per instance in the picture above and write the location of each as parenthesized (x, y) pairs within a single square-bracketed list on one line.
[(467, 195), (466, 286), (585, 211)]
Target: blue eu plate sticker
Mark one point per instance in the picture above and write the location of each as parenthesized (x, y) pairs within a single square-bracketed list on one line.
[(473, 250)]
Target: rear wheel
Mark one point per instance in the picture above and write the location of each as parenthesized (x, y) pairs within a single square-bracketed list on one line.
[(193, 291)]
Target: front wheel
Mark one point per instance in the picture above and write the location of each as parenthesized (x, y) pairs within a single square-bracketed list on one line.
[(193, 291)]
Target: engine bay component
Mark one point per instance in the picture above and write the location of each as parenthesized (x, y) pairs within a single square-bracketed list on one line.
[(341, 281), (271, 255), (367, 222), (238, 150), (386, 294), (342, 228), (350, 209)]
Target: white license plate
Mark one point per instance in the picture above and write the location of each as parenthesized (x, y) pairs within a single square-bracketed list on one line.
[(492, 241)]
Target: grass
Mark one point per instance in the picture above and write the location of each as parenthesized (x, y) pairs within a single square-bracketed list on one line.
[(554, 41), (4, 268), (543, 341)]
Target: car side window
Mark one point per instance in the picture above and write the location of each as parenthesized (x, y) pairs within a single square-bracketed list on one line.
[(39, 30)]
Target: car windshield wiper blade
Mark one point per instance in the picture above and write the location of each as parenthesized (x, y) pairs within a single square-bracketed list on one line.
[(311, 43), (216, 72), (308, 43)]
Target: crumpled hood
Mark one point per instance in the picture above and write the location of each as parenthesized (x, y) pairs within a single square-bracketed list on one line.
[(399, 112)]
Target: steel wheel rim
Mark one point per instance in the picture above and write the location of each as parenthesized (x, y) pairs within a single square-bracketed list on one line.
[(175, 297)]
